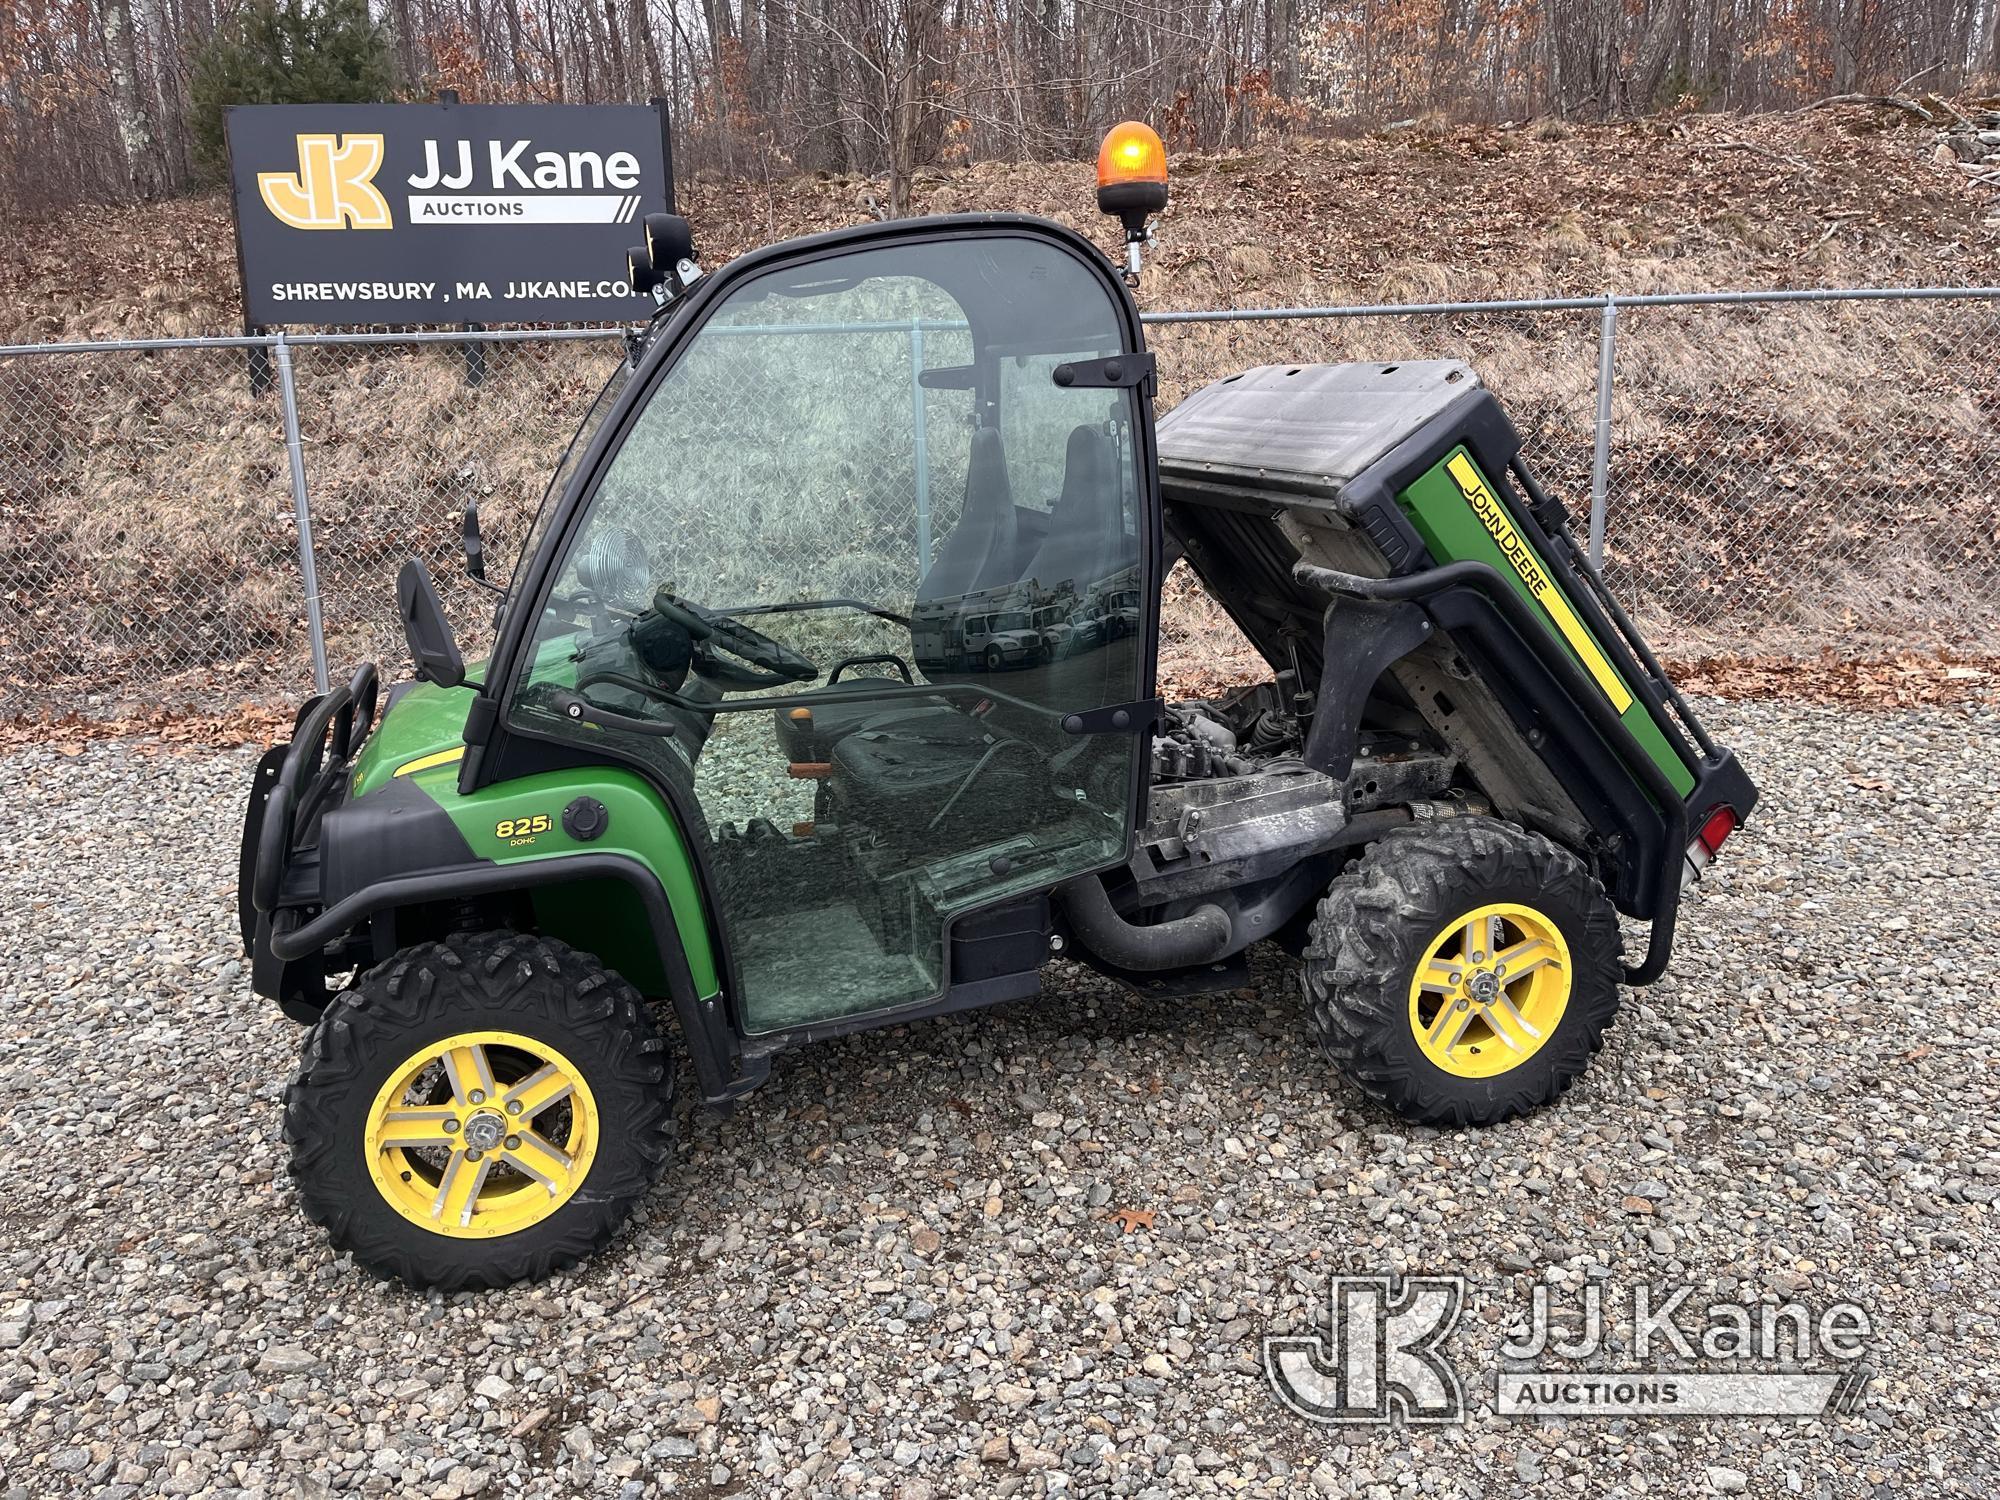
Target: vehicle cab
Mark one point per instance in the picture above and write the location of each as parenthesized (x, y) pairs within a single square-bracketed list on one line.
[(773, 657)]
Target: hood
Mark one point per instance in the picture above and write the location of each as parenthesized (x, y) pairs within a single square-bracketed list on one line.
[(421, 722)]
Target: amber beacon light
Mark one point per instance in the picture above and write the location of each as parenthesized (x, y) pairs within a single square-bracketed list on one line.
[(1132, 184)]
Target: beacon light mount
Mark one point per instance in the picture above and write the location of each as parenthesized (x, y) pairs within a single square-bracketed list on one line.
[(1132, 185)]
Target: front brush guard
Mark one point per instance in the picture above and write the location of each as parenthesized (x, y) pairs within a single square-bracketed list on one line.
[(294, 784)]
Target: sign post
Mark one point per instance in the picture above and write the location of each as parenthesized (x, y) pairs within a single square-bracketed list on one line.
[(446, 213)]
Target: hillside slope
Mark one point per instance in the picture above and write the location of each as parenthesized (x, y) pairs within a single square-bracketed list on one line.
[(1782, 478), (1833, 198)]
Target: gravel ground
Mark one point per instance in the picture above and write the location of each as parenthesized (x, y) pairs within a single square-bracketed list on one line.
[(896, 1271)]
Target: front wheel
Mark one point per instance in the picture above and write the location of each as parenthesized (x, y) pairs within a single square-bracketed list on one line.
[(479, 1111), (1463, 972)]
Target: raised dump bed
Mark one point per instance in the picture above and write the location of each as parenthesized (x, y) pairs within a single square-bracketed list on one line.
[(1521, 662)]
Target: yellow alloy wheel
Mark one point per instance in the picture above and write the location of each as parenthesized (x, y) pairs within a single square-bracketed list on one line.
[(1490, 990), (482, 1134)]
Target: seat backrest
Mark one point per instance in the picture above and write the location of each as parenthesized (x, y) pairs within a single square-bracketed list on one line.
[(1084, 541), (981, 550)]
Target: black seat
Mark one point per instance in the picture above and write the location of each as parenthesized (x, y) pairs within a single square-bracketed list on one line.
[(1085, 540), (980, 552), (908, 773), (909, 768)]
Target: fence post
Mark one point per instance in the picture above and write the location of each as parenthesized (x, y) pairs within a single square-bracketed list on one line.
[(1600, 458), (918, 427), (302, 508), (475, 356), (260, 362)]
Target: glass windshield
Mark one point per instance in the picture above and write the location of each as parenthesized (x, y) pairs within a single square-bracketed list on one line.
[(858, 488), (579, 444)]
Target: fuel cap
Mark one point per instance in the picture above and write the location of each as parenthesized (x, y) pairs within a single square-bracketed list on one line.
[(585, 819)]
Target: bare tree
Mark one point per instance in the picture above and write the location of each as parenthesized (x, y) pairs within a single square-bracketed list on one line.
[(94, 97), (131, 101)]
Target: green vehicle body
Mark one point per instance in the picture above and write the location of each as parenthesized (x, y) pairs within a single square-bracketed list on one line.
[(422, 739), (1449, 522), (477, 802)]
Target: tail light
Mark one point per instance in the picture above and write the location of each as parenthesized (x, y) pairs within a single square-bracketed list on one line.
[(1707, 843)]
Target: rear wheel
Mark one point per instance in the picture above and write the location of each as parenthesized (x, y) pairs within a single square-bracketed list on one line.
[(479, 1111), (1463, 972)]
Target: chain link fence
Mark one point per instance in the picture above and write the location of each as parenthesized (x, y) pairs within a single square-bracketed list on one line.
[(1773, 473), (1797, 478), (400, 437)]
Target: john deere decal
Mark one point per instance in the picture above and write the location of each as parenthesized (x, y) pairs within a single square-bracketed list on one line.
[(1493, 516)]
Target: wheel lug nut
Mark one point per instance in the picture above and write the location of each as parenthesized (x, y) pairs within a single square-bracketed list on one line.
[(450, 1126), (474, 1155), (478, 1096), (1464, 1004), (513, 1143), (513, 1106)]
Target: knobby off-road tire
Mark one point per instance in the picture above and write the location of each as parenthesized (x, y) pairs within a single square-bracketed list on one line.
[(1395, 908), (556, 1004)]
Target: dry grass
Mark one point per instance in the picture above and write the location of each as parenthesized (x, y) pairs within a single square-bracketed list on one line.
[(1785, 477), (1201, 650)]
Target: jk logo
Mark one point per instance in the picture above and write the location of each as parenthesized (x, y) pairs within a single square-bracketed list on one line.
[(1384, 1356), (334, 187)]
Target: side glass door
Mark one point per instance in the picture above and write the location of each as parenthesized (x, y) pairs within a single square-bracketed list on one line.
[(860, 490)]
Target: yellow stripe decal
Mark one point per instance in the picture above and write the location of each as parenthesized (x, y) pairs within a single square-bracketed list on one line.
[(1493, 516), (426, 762)]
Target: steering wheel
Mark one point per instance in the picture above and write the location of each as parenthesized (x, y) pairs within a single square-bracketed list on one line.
[(770, 663)]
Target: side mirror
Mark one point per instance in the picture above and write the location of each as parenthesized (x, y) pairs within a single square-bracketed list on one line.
[(433, 649), (475, 549)]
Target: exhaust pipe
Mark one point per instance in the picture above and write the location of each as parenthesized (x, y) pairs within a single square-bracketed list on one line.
[(1200, 937)]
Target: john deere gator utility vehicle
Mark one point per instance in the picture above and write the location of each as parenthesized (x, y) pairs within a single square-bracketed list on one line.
[(823, 699)]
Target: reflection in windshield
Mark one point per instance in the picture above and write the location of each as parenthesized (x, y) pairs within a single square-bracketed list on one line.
[(579, 444)]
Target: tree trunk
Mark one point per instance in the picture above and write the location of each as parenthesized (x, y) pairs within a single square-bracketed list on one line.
[(614, 37), (828, 145), (750, 29), (775, 98), (646, 49), (516, 51), (131, 102), (406, 43), (1285, 53), (721, 33), (1048, 104)]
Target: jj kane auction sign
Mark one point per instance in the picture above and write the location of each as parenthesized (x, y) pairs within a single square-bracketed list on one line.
[(442, 213)]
